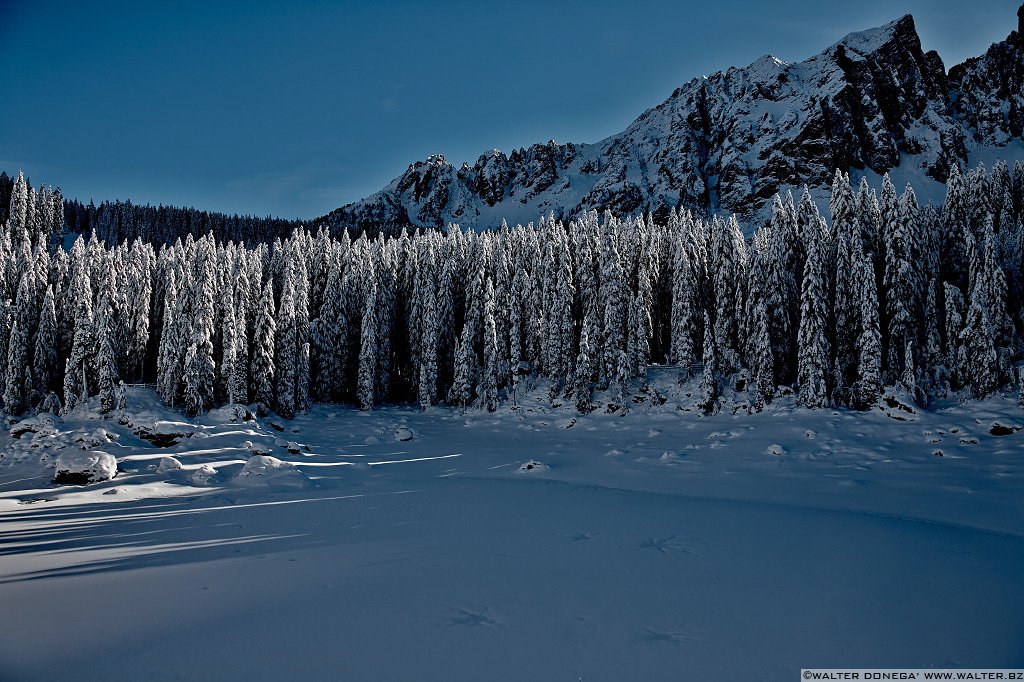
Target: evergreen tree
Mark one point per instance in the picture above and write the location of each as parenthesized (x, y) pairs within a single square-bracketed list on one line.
[(956, 354), (171, 354), (19, 207), (17, 357), (978, 342), (709, 380), (683, 306), (366, 385), (765, 362), (586, 365), (106, 359), (228, 368), (286, 349), (488, 391), (44, 357), (263, 348), (869, 365), (812, 343)]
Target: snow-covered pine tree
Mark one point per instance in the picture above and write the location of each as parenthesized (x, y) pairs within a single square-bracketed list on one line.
[(709, 378), (683, 353), (199, 367), (17, 357), (586, 365), (331, 335), (263, 348), (978, 341), (847, 257), (812, 343), (722, 267), (612, 300), (302, 369), (107, 374), (285, 346), (868, 387), (19, 207), (763, 356), (956, 354), (44, 357), (83, 347), (488, 390), (229, 350), (141, 283), (899, 283), (559, 334), (171, 353), (368, 346), (463, 380)]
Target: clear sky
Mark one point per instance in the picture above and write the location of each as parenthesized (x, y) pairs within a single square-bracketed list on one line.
[(295, 108)]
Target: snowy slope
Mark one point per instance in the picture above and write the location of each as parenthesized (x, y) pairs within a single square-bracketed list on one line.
[(873, 102), (662, 544)]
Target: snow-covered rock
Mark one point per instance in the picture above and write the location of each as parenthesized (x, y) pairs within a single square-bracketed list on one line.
[(168, 465), (403, 433), (231, 413), (82, 468), (263, 470), (203, 474)]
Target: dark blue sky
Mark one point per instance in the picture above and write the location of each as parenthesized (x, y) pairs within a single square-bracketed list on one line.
[(293, 109)]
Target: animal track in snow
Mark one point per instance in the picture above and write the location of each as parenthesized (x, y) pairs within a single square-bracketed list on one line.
[(579, 536), (666, 545), (467, 617)]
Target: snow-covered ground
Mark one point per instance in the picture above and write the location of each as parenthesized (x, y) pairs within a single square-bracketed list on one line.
[(398, 544)]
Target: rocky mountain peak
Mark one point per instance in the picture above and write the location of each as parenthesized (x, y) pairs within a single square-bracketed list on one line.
[(874, 101)]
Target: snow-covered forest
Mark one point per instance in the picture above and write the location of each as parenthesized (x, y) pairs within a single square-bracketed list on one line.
[(885, 293)]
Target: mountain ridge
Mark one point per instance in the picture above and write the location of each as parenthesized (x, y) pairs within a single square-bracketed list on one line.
[(874, 101)]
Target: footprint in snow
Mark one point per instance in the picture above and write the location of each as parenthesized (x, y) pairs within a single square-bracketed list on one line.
[(666, 545), (578, 536), (472, 618), (663, 637)]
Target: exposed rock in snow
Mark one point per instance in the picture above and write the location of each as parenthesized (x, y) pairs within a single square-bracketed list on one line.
[(403, 433), (533, 466), (82, 468), (998, 429), (161, 434)]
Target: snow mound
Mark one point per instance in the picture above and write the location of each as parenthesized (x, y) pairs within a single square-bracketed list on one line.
[(97, 437), (533, 465), (168, 465), (203, 474), (43, 424), (83, 468), (670, 457), (403, 434), (775, 449), (231, 413), (263, 470)]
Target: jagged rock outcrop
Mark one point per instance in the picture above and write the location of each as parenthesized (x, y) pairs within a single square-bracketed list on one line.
[(727, 142)]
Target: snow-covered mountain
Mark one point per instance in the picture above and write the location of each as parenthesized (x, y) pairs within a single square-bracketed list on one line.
[(873, 102)]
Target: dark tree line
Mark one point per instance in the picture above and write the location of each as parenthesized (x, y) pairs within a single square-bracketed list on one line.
[(928, 300)]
